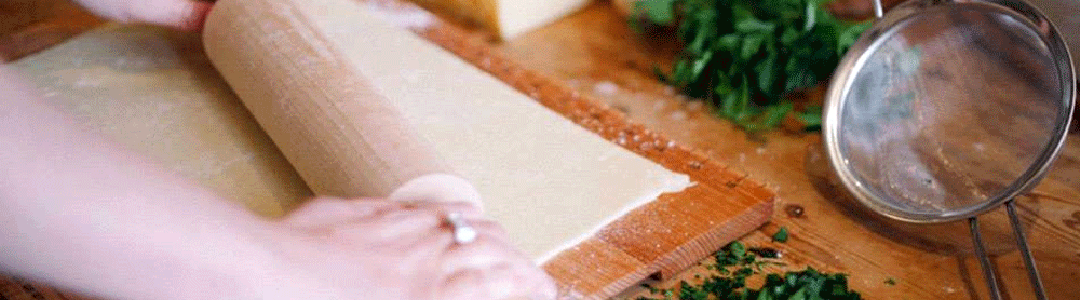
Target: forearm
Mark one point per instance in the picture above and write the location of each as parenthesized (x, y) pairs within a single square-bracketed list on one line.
[(85, 214)]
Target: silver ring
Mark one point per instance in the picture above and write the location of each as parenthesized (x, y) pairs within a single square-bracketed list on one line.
[(463, 233)]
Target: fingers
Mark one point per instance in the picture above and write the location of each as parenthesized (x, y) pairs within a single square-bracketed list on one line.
[(324, 212), (407, 227), (488, 229), (179, 14), (482, 253), (418, 234), (490, 268), (504, 281), (398, 226)]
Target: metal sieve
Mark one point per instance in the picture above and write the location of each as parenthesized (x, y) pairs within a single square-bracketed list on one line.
[(947, 109)]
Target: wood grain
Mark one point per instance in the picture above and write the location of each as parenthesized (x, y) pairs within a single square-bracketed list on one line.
[(352, 149), (661, 237), (594, 49), (29, 26), (664, 236), (704, 225)]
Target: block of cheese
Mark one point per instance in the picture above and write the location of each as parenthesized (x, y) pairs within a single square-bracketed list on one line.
[(507, 18)]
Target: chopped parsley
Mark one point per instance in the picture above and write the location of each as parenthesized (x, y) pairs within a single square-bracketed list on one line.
[(780, 236), (735, 263), (746, 56)]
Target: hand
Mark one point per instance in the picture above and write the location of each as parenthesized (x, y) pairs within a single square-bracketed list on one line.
[(123, 228), (179, 14), (378, 249)]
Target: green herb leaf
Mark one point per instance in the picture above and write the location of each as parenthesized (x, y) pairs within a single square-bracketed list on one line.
[(751, 44), (780, 236), (773, 116), (737, 249), (752, 24), (849, 35), (747, 55), (811, 16), (657, 11), (811, 117)]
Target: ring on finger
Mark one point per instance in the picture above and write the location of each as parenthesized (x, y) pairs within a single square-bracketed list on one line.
[(463, 232)]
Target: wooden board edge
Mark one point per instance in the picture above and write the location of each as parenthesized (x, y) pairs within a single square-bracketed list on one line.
[(709, 241), (599, 281), (19, 288), (45, 34), (584, 110), (682, 228), (595, 270), (755, 205)]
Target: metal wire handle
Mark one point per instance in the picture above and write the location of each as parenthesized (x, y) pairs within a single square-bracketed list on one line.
[(1021, 242), (976, 236)]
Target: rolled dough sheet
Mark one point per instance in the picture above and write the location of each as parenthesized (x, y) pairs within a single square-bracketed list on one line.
[(550, 182), (154, 91)]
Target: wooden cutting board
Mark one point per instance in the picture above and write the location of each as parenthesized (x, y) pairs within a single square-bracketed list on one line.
[(598, 54), (195, 126)]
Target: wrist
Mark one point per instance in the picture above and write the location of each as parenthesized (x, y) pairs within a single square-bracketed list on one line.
[(253, 268), (271, 267)]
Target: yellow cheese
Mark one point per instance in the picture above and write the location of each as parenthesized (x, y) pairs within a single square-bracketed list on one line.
[(507, 18)]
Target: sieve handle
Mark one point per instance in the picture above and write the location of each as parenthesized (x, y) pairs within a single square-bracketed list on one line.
[(1021, 240)]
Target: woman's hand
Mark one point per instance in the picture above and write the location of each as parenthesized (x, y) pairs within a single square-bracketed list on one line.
[(179, 14), (82, 213), (378, 249)]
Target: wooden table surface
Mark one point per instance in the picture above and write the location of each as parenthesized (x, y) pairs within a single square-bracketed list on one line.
[(594, 52)]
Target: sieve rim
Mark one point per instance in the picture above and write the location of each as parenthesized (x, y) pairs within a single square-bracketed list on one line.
[(858, 55)]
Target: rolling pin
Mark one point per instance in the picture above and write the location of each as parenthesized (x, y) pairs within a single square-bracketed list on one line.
[(342, 136), (332, 125)]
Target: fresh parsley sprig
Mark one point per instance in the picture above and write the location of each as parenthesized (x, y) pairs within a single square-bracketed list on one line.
[(734, 265), (747, 55)]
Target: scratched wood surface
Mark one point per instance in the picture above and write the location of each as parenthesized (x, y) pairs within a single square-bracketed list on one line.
[(594, 49), (594, 52)]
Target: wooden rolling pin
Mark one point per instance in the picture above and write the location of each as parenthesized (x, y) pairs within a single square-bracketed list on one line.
[(602, 203), (341, 135)]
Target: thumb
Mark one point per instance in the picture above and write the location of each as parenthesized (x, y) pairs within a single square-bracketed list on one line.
[(180, 14)]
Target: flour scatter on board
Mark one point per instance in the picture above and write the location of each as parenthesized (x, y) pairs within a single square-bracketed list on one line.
[(606, 88)]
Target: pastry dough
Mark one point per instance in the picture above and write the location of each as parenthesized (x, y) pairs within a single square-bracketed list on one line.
[(154, 91), (550, 182)]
